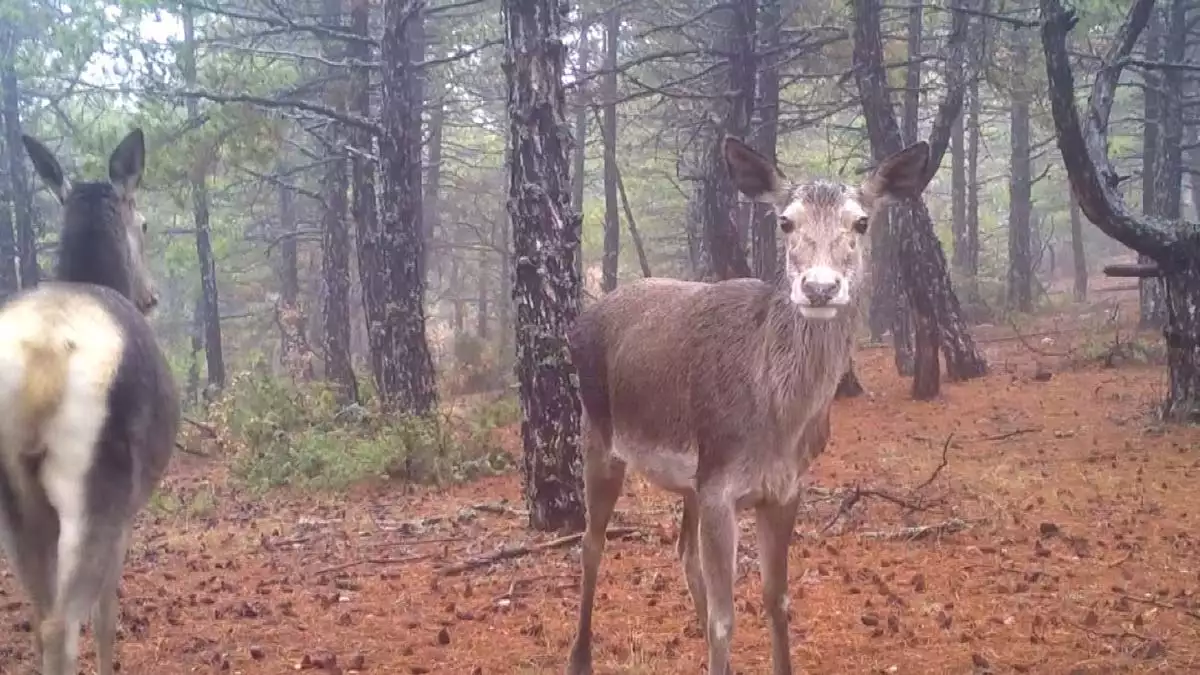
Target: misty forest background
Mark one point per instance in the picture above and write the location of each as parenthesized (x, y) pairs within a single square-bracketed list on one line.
[(328, 189)]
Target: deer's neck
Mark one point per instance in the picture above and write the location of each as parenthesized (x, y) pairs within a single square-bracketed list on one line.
[(804, 359)]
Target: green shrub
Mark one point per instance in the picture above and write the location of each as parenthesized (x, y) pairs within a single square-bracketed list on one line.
[(301, 436)]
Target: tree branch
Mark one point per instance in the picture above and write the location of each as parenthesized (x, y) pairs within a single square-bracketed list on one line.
[(277, 104)]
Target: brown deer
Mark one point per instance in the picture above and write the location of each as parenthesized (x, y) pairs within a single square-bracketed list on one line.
[(88, 411), (721, 392)]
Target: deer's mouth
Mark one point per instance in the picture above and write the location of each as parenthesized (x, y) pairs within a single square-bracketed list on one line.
[(824, 313)]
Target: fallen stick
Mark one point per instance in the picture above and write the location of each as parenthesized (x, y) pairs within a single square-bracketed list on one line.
[(920, 531), (524, 550), (372, 561)]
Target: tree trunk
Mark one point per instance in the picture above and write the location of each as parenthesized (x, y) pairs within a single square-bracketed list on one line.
[(612, 217), (335, 231), (1168, 174), (721, 256), (582, 102), (431, 215), (958, 197), (19, 189), (764, 242), (1019, 295), (923, 263), (546, 231), (979, 34), (899, 225), (214, 356), (295, 354), (1150, 300), (1077, 252), (400, 359), (192, 387), (364, 206), (1182, 334)]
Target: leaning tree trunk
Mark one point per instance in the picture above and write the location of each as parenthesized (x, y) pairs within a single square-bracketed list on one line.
[(213, 353), (1171, 243), (546, 230), (922, 260), (400, 358)]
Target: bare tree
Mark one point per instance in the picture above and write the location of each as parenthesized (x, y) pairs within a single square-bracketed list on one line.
[(938, 316), (545, 233), (1171, 243), (1020, 182)]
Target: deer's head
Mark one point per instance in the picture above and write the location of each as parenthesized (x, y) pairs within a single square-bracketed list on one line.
[(823, 222)]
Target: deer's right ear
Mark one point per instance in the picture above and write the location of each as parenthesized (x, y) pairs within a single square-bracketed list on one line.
[(47, 167), (754, 175)]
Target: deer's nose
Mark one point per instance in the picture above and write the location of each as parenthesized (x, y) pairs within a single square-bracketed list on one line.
[(820, 291)]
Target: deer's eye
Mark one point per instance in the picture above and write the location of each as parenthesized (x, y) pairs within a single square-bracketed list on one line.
[(786, 224), (860, 225)]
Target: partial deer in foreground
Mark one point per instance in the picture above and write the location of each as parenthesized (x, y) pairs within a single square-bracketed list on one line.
[(721, 392), (88, 411)]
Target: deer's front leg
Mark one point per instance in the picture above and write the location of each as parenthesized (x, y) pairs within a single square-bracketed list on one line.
[(775, 522), (718, 548)]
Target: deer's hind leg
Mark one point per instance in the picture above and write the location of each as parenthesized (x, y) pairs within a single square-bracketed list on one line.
[(604, 475), (104, 620), (688, 548)]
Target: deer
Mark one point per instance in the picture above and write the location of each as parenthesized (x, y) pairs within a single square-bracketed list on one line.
[(721, 392), (89, 410)]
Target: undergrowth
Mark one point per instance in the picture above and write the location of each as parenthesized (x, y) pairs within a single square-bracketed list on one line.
[(289, 435)]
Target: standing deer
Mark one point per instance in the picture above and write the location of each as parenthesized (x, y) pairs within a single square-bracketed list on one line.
[(88, 410), (721, 392)]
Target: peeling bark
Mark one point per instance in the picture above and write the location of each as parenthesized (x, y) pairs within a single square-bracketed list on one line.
[(545, 233)]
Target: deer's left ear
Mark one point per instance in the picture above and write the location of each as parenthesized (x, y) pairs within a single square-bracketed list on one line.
[(127, 162), (898, 176)]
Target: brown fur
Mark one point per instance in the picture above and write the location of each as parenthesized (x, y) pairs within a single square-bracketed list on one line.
[(721, 392)]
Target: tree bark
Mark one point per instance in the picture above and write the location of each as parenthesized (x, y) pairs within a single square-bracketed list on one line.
[(1020, 205), (1173, 244), (19, 189), (978, 50), (764, 243), (335, 231), (608, 91), (1078, 253), (1150, 300), (583, 101), (213, 353), (721, 255), (546, 231), (400, 360), (431, 215), (922, 260), (295, 354)]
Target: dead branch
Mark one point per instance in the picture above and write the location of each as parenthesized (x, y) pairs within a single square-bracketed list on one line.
[(208, 430), (1161, 605), (524, 550), (1133, 271), (196, 453), (1007, 435), (909, 505), (920, 531), (372, 561), (1034, 348)]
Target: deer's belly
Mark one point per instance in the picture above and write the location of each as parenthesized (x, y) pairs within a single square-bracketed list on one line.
[(668, 468)]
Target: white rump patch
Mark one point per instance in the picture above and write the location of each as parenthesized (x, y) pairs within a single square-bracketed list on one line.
[(56, 314)]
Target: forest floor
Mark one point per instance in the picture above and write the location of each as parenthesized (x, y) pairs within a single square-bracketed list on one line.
[(1059, 536)]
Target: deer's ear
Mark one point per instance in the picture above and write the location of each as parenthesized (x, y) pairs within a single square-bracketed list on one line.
[(47, 167), (898, 176), (127, 162), (753, 175)]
